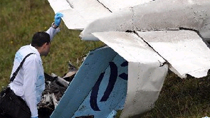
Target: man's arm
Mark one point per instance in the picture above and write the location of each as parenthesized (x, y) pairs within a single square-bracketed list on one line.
[(55, 25), (52, 31)]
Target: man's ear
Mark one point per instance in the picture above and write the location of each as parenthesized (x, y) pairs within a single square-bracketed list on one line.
[(45, 44)]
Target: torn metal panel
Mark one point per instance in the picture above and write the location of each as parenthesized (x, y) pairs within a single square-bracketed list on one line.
[(130, 47), (184, 50), (145, 82), (109, 92), (155, 16), (79, 13), (96, 62)]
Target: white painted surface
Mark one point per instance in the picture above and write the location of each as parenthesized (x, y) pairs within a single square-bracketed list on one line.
[(115, 5), (79, 13), (130, 47), (155, 16), (145, 82), (184, 50)]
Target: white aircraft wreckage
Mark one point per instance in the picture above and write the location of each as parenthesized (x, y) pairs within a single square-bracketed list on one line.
[(144, 39)]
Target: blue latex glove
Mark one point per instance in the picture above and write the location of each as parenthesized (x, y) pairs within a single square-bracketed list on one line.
[(57, 20), (34, 117)]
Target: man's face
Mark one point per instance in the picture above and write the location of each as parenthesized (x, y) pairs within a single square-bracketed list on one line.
[(45, 49)]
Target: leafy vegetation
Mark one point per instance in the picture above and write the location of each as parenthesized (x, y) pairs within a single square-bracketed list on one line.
[(20, 19)]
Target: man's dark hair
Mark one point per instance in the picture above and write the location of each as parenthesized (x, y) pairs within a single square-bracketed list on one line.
[(39, 38)]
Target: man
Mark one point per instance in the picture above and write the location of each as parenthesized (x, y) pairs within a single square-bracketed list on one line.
[(30, 82)]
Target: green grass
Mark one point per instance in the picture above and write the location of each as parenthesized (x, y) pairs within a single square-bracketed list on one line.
[(20, 19)]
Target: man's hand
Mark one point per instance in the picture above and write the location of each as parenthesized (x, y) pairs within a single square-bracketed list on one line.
[(57, 19)]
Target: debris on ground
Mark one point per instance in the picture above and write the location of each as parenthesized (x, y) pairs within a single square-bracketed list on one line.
[(55, 87)]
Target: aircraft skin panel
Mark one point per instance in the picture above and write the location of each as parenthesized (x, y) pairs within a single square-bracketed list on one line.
[(59, 5), (73, 19), (145, 82), (130, 46), (167, 15), (89, 9), (184, 50), (181, 15), (115, 5), (103, 99), (79, 13), (83, 82)]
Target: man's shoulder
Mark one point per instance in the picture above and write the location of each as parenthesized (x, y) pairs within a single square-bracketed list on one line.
[(25, 50), (33, 58)]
